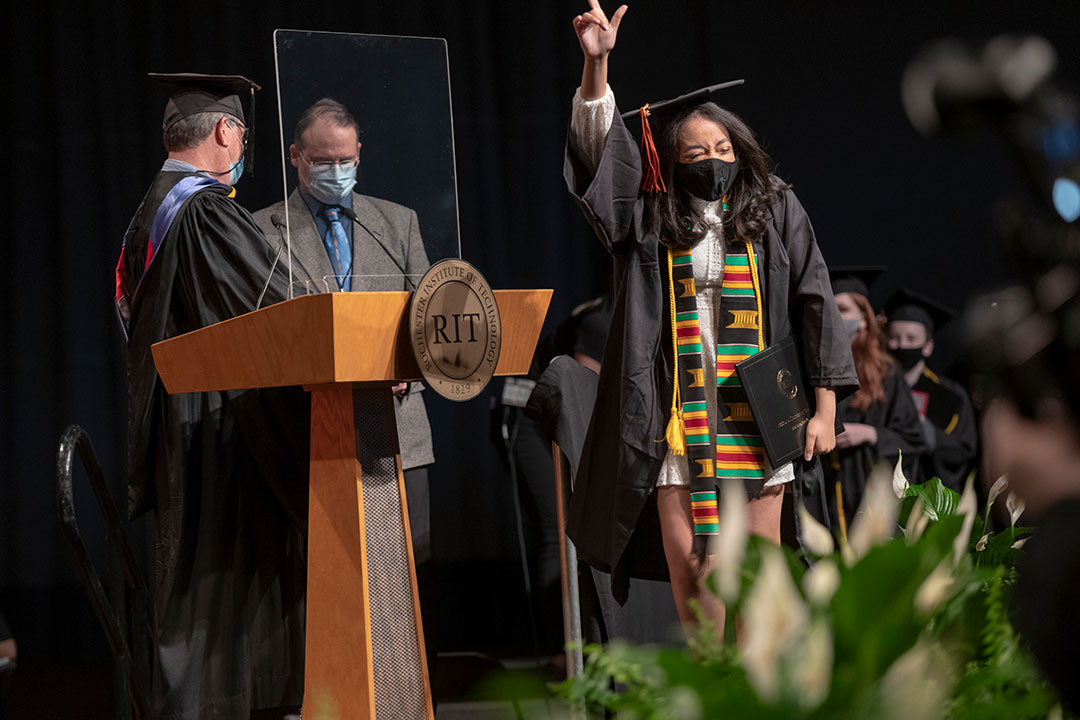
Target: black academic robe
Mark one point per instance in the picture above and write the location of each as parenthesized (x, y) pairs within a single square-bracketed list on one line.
[(898, 430), (952, 438), (625, 448), (221, 476)]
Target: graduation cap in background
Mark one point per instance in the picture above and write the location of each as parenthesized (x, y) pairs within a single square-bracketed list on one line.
[(192, 93), (651, 181), (907, 304), (854, 278)]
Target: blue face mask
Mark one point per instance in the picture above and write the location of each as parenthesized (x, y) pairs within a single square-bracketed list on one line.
[(236, 171), (237, 168), (333, 184)]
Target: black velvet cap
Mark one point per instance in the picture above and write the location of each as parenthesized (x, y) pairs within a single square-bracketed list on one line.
[(907, 304), (696, 97), (854, 278), (195, 93)]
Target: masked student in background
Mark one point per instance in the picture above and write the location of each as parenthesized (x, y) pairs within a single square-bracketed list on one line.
[(880, 421), (945, 412)]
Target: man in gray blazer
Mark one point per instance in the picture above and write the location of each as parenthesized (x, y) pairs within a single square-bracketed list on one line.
[(345, 241)]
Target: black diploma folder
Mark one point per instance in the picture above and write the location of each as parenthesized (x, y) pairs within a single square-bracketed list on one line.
[(781, 399)]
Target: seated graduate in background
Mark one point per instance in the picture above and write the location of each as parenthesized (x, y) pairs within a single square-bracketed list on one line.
[(944, 407), (880, 420), (705, 210), (220, 476)]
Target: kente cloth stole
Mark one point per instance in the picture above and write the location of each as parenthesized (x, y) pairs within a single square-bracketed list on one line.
[(737, 450)]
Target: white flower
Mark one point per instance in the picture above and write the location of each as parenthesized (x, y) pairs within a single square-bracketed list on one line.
[(899, 480), (967, 508), (1000, 485), (815, 536), (1015, 506), (916, 686), (846, 554), (981, 545), (1020, 543), (820, 582), (683, 703), (813, 666), (916, 522), (935, 588), (875, 521), (775, 617), (730, 544)]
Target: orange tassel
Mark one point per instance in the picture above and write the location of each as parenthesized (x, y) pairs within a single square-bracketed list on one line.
[(650, 173)]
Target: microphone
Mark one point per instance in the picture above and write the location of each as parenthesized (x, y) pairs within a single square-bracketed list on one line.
[(348, 212), (275, 220)]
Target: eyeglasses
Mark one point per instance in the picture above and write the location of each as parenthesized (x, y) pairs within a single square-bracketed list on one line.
[(324, 165), (235, 125)]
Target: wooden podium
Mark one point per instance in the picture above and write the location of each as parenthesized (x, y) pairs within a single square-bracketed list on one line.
[(364, 643)]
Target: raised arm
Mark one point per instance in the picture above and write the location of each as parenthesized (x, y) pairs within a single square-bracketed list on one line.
[(602, 166), (596, 35)]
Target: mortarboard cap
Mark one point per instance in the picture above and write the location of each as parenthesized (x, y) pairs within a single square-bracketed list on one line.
[(192, 93), (659, 111), (697, 97), (854, 278), (907, 304)]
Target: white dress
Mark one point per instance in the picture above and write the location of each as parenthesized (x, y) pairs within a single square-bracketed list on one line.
[(589, 125)]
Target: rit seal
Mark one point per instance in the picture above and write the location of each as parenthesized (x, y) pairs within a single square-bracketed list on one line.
[(455, 330)]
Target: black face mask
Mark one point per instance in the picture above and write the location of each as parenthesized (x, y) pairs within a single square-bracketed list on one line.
[(908, 357), (706, 179)]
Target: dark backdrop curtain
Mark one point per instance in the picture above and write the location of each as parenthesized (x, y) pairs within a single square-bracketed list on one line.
[(82, 132)]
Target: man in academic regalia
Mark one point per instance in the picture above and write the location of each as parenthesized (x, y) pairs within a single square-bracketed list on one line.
[(944, 408), (220, 476)]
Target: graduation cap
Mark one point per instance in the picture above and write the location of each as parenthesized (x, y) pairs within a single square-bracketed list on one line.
[(907, 304), (854, 278), (661, 112), (192, 93)]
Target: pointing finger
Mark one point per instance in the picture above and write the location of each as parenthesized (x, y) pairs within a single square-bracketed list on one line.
[(598, 13)]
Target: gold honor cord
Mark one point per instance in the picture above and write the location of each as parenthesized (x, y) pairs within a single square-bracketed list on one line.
[(675, 434)]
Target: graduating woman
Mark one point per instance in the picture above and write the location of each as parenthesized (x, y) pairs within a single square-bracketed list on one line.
[(714, 260), (880, 420)]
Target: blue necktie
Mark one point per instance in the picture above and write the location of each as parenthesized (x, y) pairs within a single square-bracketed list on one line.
[(337, 246)]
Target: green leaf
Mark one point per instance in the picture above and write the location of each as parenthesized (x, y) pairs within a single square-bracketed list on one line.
[(938, 500), (873, 611)]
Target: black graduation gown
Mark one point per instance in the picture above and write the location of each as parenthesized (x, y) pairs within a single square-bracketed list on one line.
[(953, 446), (221, 476), (625, 448), (898, 430)]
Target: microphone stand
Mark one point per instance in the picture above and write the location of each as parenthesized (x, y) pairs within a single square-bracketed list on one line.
[(348, 212), (275, 219)]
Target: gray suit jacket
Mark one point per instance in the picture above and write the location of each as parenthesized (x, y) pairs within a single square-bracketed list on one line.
[(397, 227)]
